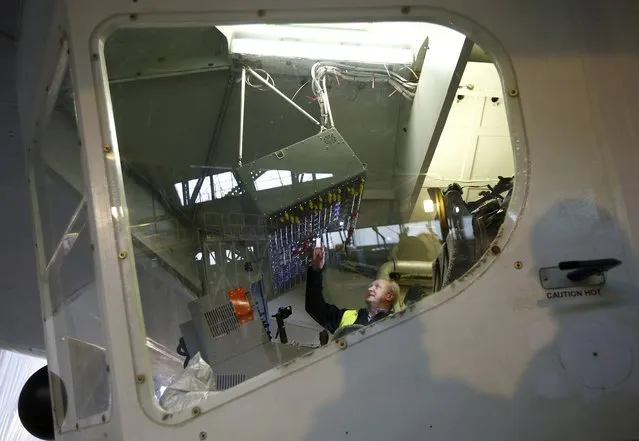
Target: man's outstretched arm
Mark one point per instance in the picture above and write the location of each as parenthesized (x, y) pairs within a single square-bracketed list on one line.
[(327, 315)]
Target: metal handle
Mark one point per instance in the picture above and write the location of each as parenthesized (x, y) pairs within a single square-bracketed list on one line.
[(582, 269)]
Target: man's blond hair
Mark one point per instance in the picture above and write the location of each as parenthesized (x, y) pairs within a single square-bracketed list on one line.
[(398, 296)]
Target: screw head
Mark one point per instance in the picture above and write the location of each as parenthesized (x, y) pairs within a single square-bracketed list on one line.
[(519, 265), (513, 93), (495, 249), (107, 148), (196, 411), (122, 255), (341, 343), (140, 378), (203, 435)]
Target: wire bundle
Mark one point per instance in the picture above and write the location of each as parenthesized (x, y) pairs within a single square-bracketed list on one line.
[(321, 70)]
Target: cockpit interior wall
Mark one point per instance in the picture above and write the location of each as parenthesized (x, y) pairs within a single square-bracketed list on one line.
[(445, 61)]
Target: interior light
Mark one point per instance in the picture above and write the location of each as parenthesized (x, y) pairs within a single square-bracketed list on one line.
[(429, 206), (323, 51)]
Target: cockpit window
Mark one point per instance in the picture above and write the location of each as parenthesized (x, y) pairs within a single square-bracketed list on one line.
[(285, 183)]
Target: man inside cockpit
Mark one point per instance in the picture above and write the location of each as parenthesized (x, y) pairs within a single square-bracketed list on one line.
[(380, 297)]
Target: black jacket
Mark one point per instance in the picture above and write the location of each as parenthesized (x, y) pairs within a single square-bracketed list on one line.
[(327, 315)]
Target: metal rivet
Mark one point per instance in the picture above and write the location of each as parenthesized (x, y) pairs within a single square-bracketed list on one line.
[(519, 264), (122, 255), (140, 378), (513, 92), (495, 249), (107, 148), (341, 343), (203, 436), (196, 411), (405, 9)]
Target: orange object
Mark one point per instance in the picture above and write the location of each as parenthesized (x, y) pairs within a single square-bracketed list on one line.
[(241, 305)]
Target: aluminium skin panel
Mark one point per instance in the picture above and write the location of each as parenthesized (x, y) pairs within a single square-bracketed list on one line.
[(482, 358)]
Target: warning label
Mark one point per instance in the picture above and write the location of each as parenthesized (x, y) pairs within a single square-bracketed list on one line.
[(573, 293)]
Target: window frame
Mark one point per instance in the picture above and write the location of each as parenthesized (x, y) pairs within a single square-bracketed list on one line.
[(117, 198)]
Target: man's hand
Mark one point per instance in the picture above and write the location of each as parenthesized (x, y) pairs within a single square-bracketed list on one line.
[(318, 258)]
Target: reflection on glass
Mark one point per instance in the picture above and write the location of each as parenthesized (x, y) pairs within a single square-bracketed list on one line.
[(273, 179), (68, 290), (334, 156), (223, 183), (212, 187)]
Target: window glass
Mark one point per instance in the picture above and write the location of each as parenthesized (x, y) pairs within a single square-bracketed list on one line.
[(75, 340), (246, 148)]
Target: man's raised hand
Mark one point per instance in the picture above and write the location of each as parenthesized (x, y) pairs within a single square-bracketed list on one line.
[(318, 258)]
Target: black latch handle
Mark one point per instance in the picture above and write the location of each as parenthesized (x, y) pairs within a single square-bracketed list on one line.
[(582, 269)]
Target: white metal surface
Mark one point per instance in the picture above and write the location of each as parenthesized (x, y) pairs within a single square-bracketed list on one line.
[(483, 359)]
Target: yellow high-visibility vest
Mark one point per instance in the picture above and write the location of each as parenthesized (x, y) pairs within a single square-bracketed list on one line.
[(349, 317)]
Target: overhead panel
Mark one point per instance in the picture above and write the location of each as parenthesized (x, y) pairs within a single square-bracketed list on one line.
[(304, 191)]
